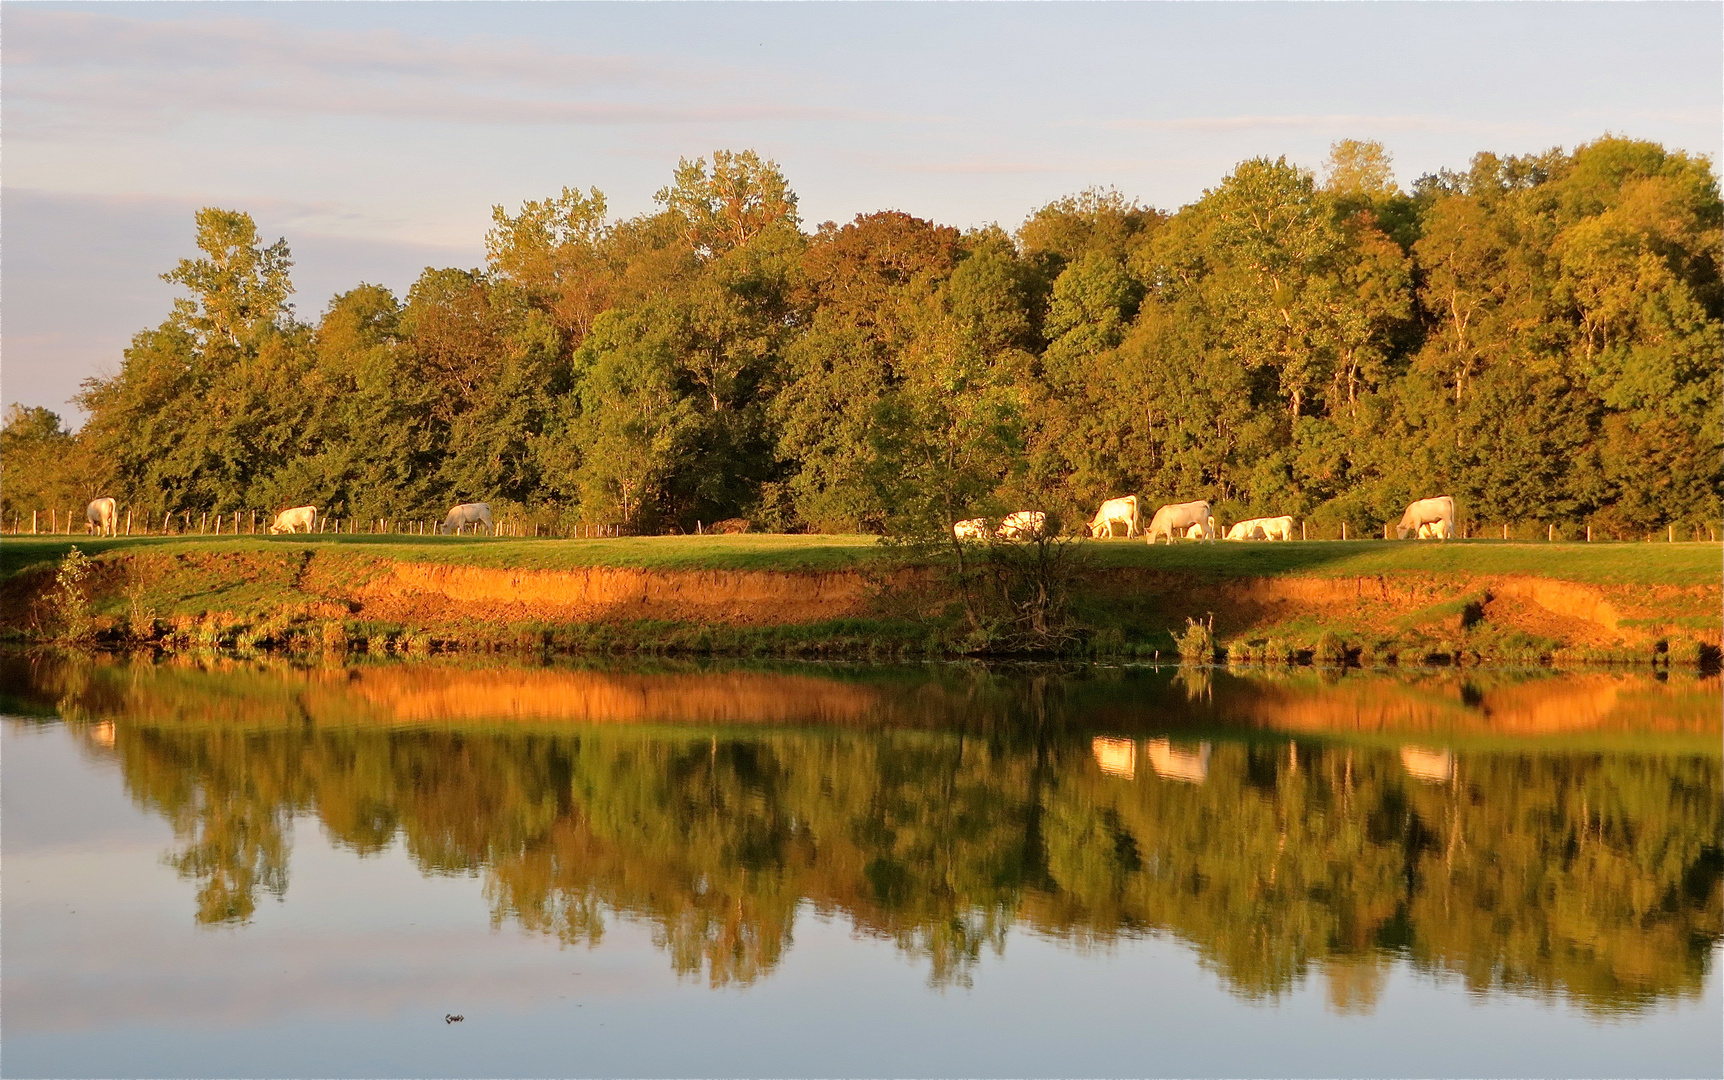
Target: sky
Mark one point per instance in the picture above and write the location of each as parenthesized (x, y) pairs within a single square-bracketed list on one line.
[(376, 138)]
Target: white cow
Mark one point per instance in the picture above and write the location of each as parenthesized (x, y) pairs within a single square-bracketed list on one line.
[(1122, 510), (1176, 519), (1023, 525), (1430, 530), (1195, 532), (474, 514), (1439, 512), (103, 515), (293, 520), (1266, 528), (1277, 528), (973, 529)]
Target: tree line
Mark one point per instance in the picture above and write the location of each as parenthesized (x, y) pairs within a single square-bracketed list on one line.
[(1538, 336)]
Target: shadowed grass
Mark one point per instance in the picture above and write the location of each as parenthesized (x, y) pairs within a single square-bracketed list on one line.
[(1598, 563)]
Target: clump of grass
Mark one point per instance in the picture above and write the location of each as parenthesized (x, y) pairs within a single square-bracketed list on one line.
[(1686, 651), (1197, 643), (332, 636), (1280, 651), (140, 617), (1380, 652), (1331, 649)]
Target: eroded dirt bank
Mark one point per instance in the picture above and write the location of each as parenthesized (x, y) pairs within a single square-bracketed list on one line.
[(334, 599), (427, 592)]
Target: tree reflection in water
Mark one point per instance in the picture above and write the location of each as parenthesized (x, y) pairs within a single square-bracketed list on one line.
[(941, 810)]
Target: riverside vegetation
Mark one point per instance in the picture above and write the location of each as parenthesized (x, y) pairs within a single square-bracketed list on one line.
[(1330, 603)]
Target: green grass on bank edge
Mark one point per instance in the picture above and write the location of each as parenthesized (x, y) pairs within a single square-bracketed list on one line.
[(1680, 564)]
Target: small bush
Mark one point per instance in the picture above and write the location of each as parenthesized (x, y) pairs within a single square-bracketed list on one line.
[(1197, 643), (70, 600)]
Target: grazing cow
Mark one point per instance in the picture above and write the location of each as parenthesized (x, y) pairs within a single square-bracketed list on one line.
[(1249, 529), (1023, 525), (293, 520), (103, 515), (1122, 510), (474, 514), (1176, 519), (1439, 511), (1171, 764), (1117, 757), (1277, 528), (973, 529), (1432, 766)]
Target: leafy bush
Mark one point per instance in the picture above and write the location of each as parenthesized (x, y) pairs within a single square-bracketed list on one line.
[(69, 603), (1197, 643)]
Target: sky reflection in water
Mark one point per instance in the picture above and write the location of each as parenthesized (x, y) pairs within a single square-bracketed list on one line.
[(237, 868)]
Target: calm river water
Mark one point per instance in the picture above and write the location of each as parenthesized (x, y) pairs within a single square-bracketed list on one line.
[(255, 869)]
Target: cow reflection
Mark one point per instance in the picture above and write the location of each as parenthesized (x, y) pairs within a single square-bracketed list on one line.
[(1422, 763), (1117, 757), (1171, 764)]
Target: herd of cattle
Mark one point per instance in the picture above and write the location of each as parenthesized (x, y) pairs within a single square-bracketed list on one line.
[(1426, 518), (457, 521)]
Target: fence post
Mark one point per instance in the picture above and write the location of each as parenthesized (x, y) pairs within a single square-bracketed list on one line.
[(1302, 533), (1672, 534), (33, 514), (1343, 530), (1589, 534)]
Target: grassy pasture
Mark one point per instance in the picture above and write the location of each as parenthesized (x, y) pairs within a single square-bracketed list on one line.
[(1602, 563)]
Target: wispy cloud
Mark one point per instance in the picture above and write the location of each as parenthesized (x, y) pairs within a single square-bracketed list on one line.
[(69, 40), (981, 167), (1305, 122), (94, 70)]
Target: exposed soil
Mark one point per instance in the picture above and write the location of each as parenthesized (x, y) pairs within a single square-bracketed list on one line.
[(1568, 612), (288, 588), (429, 593)]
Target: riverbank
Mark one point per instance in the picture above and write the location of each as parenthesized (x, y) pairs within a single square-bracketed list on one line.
[(1368, 601)]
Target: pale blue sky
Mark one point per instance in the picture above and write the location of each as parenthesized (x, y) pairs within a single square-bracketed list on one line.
[(376, 137)]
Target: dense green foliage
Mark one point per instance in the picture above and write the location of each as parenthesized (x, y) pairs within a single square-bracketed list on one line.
[(956, 806), (1538, 336)]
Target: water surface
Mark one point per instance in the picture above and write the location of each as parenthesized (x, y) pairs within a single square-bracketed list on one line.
[(235, 868)]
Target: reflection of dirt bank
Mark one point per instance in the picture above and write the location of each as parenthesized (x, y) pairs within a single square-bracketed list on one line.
[(425, 694), (1136, 703), (1541, 706)]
